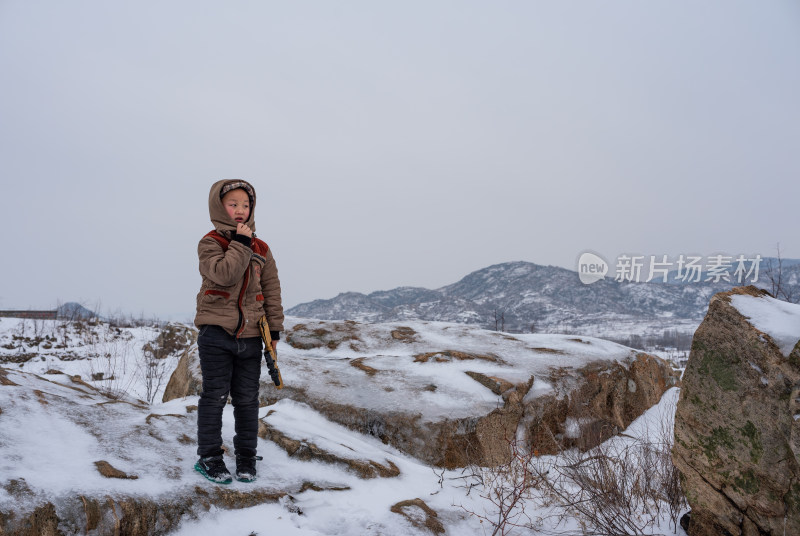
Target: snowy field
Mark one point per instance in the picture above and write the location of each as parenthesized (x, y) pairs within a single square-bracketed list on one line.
[(365, 508), (55, 428), (113, 359)]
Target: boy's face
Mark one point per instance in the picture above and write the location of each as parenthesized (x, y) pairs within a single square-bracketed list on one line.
[(237, 204)]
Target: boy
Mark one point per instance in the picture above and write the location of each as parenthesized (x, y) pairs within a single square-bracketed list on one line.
[(240, 284)]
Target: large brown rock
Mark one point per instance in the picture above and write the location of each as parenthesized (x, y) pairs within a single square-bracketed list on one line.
[(186, 379), (134, 515), (737, 435), (452, 395)]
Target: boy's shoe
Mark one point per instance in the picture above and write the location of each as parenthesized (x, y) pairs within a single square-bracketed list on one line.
[(214, 469), (246, 468)]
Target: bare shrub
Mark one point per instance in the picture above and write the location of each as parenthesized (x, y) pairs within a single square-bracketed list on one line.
[(152, 371), (624, 486), (508, 488), (617, 488), (110, 355), (779, 285), (38, 332)]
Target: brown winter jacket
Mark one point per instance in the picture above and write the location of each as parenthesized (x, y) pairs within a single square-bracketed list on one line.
[(239, 285)]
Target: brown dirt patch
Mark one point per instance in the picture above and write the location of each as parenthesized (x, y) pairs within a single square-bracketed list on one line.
[(548, 350), (315, 487), (4, 378), (404, 334), (359, 364), (431, 521), (149, 418), (447, 356), (40, 397), (329, 335), (580, 341), (17, 358), (109, 471)]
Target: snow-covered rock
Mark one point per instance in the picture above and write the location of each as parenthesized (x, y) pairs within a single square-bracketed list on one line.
[(453, 395), (737, 424)]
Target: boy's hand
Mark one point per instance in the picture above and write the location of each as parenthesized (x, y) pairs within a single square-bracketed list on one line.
[(274, 346), (243, 229)]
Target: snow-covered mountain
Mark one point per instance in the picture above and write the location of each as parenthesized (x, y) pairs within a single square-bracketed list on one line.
[(526, 297)]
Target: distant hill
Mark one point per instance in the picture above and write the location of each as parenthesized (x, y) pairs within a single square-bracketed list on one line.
[(74, 310), (525, 297)]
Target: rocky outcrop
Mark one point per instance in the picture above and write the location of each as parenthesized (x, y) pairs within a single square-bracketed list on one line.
[(455, 395), (595, 402), (302, 449), (420, 515), (737, 427), (186, 379), (129, 515)]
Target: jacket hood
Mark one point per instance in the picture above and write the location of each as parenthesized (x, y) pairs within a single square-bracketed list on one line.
[(219, 216)]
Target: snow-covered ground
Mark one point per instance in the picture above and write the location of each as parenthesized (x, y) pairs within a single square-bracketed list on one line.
[(365, 508), (110, 358), (55, 428)]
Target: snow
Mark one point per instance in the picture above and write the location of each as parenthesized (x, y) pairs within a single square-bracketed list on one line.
[(55, 427), (399, 378), (93, 349), (364, 509), (778, 319)]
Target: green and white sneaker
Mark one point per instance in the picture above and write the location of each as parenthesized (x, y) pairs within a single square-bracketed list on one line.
[(246, 468), (214, 469)]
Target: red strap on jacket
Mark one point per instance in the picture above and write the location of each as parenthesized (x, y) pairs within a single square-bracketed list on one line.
[(256, 244)]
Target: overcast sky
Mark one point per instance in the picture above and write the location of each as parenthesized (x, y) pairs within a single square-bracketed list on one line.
[(390, 143)]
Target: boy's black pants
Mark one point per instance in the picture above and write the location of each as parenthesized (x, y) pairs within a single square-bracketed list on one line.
[(229, 365)]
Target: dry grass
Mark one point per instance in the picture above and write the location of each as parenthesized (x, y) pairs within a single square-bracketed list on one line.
[(330, 336), (404, 334)]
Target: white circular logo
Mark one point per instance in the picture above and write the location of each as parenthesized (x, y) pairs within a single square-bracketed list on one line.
[(591, 268)]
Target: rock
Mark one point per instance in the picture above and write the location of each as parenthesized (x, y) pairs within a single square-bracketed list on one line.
[(686, 520), (130, 515), (419, 514), (595, 402), (186, 379), (43, 521), (454, 395), (304, 449), (329, 336), (172, 339), (737, 435), (109, 471)]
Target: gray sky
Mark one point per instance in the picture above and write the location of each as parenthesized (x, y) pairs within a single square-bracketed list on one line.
[(390, 143)]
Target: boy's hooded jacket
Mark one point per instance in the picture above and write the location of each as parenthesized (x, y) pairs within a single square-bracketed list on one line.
[(239, 285)]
